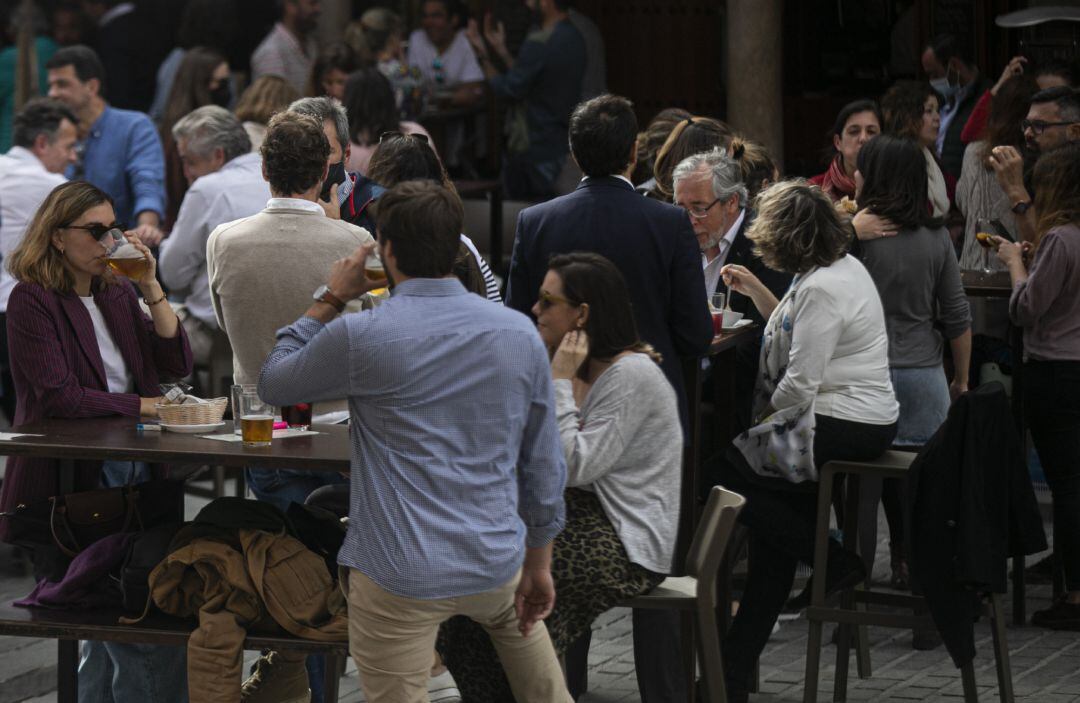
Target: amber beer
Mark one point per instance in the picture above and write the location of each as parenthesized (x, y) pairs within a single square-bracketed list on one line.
[(257, 430), (374, 271), (134, 269)]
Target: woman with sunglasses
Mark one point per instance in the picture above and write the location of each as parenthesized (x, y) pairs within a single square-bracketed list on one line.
[(81, 347), (622, 439)]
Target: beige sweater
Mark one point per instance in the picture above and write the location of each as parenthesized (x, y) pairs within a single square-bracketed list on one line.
[(263, 270)]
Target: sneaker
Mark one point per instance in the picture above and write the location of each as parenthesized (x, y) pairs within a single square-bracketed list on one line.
[(276, 680), (442, 689), (1060, 616)]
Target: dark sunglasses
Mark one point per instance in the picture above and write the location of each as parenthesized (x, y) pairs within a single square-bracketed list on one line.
[(546, 300), (99, 231), (401, 135)]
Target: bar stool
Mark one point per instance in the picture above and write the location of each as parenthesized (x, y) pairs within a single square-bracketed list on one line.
[(852, 611)]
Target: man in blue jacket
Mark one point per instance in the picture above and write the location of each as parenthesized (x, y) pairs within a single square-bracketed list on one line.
[(120, 151)]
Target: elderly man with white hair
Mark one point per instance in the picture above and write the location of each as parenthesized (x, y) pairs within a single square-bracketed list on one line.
[(709, 187), (226, 184)]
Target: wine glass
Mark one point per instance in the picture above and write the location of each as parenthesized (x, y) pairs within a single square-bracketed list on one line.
[(984, 233)]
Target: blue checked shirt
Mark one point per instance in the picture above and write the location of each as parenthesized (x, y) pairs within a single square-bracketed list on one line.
[(456, 460)]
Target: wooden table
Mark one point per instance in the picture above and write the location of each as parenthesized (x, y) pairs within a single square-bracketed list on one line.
[(116, 438), (722, 357), (998, 284)]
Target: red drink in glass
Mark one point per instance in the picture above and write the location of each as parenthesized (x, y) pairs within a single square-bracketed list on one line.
[(717, 321), (297, 416)]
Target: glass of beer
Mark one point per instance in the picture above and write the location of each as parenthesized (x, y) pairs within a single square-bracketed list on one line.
[(984, 232), (256, 420), (297, 416), (123, 258), (373, 267)]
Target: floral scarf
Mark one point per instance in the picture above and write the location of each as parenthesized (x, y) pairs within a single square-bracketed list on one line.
[(836, 183), (781, 446)]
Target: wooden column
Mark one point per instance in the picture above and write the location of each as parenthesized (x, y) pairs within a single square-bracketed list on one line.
[(755, 71)]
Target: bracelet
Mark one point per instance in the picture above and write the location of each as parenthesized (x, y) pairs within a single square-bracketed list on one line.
[(152, 303)]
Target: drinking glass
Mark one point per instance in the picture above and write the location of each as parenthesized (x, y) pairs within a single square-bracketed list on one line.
[(373, 267), (719, 300), (984, 230), (256, 420), (123, 258), (237, 391), (297, 416)]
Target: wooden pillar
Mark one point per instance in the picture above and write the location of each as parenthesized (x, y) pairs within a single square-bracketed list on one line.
[(755, 72)]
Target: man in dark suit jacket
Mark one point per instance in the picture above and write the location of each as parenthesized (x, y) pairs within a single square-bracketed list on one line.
[(653, 246), (709, 186), (948, 63)]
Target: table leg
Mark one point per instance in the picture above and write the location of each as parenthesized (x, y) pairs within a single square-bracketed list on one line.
[(67, 671), (688, 501), (495, 225), (1019, 608)]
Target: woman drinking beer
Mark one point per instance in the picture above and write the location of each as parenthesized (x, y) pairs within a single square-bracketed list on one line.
[(81, 347)]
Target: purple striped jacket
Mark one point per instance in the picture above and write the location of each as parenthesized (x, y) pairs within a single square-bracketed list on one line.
[(58, 372)]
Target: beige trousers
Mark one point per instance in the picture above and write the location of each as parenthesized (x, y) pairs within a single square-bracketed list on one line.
[(392, 639)]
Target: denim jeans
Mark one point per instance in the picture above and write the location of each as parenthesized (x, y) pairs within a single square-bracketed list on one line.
[(923, 395), (113, 672), (280, 487)]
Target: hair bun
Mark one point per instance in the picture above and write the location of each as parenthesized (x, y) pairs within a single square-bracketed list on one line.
[(738, 148)]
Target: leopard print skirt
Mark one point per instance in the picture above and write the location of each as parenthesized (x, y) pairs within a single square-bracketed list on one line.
[(592, 574)]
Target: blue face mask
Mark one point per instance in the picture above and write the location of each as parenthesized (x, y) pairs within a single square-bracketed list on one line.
[(944, 87)]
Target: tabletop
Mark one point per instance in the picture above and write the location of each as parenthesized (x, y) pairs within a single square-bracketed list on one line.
[(996, 284), (728, 340), (117, 438)]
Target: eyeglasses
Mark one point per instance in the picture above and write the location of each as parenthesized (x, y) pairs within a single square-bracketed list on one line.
[(401, 135), (100, 231), (546, 300), (1038, 126), (700, 212)]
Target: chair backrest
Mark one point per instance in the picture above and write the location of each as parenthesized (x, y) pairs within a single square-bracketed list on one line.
[(711, 537)]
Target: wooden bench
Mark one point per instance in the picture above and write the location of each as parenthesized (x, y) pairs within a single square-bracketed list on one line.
[(68, 627)]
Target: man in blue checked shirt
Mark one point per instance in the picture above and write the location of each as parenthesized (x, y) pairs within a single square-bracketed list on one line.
[(457, 470)]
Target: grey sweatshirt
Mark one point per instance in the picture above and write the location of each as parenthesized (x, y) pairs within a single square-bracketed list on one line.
[(918, 279), (625, 445)]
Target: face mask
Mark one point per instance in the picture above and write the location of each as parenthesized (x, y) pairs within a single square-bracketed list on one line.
[(942, 86), (222, 95), (334, 176)]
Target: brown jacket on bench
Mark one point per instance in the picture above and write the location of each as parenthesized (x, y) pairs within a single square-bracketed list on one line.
[(274, 583)]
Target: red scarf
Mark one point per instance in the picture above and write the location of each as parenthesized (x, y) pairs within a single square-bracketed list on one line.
[(836, 183)]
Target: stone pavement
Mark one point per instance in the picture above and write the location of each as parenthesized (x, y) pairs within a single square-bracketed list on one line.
[(1045, 664)]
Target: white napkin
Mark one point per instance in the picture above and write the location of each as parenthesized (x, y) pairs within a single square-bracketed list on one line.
[(278, 434)]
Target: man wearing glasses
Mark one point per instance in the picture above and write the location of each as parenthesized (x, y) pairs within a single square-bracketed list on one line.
[(1053, 120)]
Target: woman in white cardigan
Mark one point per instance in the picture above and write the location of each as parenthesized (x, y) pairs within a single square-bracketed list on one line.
[(823, 394)]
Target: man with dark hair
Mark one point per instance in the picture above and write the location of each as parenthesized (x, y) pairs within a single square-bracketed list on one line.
[(262, 270), (441, 51), (120, 42), (226, 184), (654, 246), (1053, 120), (289, 50), (43, 146), (952, 72), (120, 149), (456, 459), (545, 81)]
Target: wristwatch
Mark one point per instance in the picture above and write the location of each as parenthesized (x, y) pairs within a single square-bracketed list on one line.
[(324, 295), (1021, 207)]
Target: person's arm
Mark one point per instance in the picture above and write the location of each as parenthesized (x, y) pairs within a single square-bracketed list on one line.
[(35, 346), (816, 328), (518, 295), (689, 321), (961, 354), (183, 254), (145, 169), (976, 123), (740, 280), (520, 74), (1034, 292), (1008, 167), (534, 598), (955, 314)]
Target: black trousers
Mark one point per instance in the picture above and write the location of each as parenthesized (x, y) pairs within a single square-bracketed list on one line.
[(1052, 409), (781, 534), (7, 383)]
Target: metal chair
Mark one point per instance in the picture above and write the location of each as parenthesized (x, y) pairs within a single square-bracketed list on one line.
[(696, 593), (851, 612)]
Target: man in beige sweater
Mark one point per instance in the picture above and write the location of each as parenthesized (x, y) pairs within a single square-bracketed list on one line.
[(263, 272)]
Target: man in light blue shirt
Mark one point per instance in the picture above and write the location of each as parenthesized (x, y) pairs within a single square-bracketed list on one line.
[(226, 184), (120, 150), (457, 469)]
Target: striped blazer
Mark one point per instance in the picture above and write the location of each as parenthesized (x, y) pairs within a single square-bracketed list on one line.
[(58, 372)]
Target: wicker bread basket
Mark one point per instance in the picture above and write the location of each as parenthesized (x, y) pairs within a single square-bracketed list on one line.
[(208, 413)]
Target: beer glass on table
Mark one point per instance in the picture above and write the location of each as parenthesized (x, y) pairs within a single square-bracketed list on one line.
[(256, 420)]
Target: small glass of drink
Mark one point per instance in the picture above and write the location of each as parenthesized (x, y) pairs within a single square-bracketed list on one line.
[(256, 420), (124, 259), (984, 231), (298, 416), (373, 268), (237, 391)]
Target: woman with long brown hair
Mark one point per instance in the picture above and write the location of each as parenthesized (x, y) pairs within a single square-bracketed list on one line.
[(1046, 303), (693, 135), (81, 347), (911, 109), (264, 98)]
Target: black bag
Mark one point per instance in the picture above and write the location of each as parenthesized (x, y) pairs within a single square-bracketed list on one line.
[(146, 550), (72, 522)]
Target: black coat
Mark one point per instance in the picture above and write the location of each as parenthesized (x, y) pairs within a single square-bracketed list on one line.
[(970, 506), (650, 242)]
